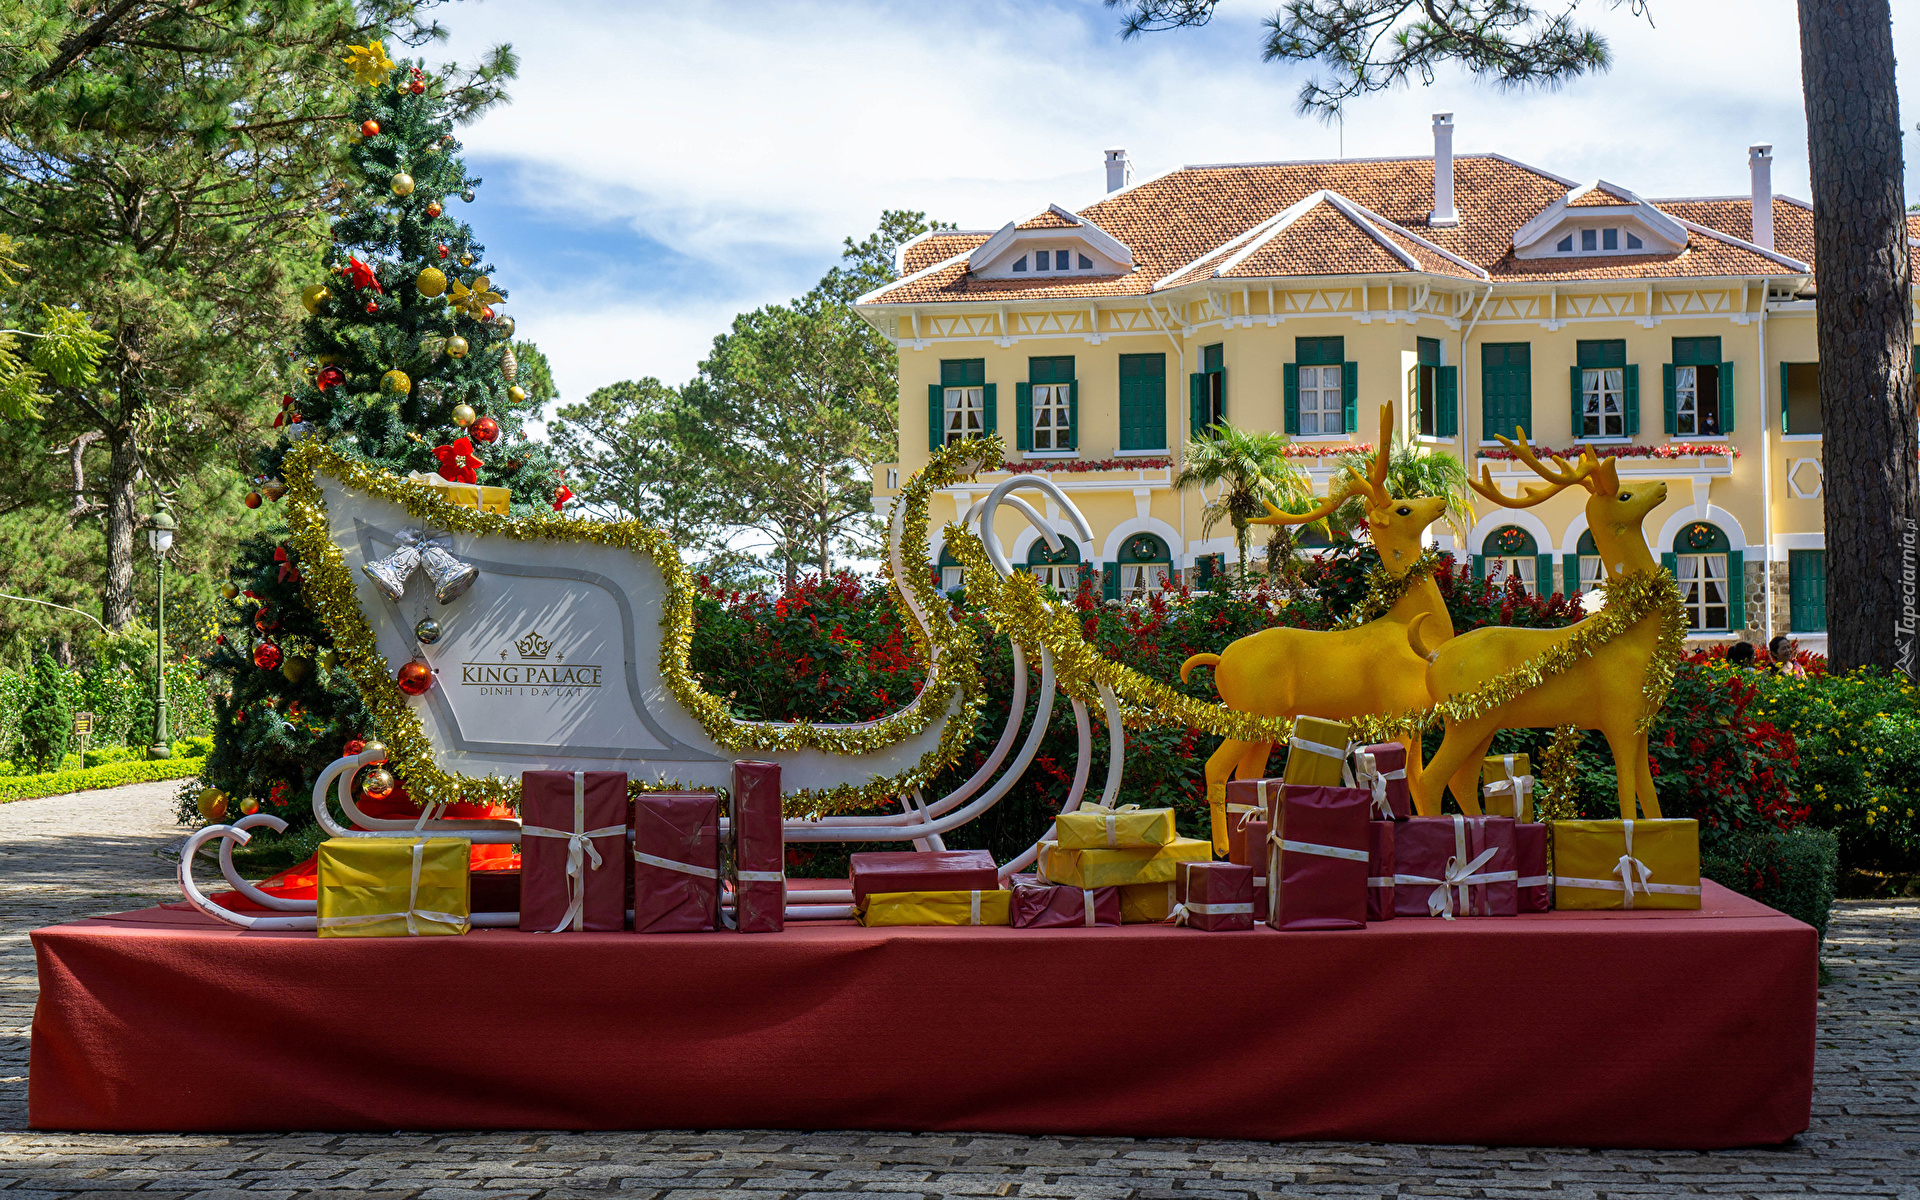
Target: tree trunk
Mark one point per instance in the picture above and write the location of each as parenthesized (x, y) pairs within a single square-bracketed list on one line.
[(1865, 329), (123, 474)]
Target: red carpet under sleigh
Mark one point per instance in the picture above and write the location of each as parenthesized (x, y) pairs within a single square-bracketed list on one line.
[(1599, 1029)]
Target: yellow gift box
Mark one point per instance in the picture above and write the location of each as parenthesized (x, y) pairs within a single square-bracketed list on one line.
[(937, 908), (1147, 903), (1094, 825), (466, 495), (1317, 753), (1501, 776), (1626, 864), (1101, 867), (394, 887)]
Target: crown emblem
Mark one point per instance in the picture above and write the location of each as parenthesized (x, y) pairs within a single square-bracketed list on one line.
[(533, 645)]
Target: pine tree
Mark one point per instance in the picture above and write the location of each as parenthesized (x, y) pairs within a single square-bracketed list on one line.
[(46, 721), (403, 338)]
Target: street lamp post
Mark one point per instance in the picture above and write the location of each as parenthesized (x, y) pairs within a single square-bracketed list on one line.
[(160, 529)]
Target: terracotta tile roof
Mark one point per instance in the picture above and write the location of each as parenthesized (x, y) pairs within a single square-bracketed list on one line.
[(1046, 220), (1792, 222), (938, 247), (1596, 198), (1173, 220)]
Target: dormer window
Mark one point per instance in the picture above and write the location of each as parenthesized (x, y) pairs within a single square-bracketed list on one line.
[(1053, 242), (1052, 262), (1600, 241)]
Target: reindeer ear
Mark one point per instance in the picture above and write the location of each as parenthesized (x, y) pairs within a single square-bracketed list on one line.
[(1604, 480)]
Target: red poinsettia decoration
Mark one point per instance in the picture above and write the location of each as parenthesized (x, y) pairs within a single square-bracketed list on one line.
[(561, 496), (458, 462), (288, 572), (360, 275)]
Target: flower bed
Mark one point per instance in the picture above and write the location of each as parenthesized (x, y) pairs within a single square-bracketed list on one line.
[(1671, 450)]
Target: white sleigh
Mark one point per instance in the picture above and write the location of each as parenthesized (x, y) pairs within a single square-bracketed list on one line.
[(551, 659)]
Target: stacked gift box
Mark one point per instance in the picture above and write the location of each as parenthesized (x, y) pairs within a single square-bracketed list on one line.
[(929, 887)]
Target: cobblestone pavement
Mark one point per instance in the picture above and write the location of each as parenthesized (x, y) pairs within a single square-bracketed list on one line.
[(66, 857)]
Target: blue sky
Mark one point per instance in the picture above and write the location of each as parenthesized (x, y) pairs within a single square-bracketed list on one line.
[(663, 167)]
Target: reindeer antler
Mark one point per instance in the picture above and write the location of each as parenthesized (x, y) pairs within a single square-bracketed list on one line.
[(1375, 483), (1562, 475), (1336, 496)]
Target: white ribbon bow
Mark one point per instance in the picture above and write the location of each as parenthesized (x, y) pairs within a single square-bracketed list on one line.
[(414, 914), (1461, 873), (1520, 787), (1367, 774), (1632, 874), (1113, 820), (1629, 866), (580, 848)]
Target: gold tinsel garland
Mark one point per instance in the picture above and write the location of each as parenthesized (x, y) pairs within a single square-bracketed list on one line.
[(1553, 793), (1630, 598), (329, 589), (1384, 589)]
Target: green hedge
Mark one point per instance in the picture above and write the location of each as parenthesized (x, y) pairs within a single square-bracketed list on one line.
[(1793, 870), (58, 783)]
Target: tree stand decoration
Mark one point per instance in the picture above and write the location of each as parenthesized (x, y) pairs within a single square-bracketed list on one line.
[(419, 549)]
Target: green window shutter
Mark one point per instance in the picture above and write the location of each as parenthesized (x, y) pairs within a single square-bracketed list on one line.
[(989, 416), (1220, 383), (1447, 423), (1783, 398), (1569, 575), (1073, 415), (1290, 386), (1543, 574), (1632, 371), (1726, 398), (1807, 591), (1670, 563), (1197, 404), (1110, 581), (1670, 394), (1579, 404), (1349, 396), (936, 416), (1736, 589), (1480, 566), (1023, 414), (1153, 417)]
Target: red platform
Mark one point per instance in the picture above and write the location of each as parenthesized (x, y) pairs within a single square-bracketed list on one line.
[(1595, 1029)]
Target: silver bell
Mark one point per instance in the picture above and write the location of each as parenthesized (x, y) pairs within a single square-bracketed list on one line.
[(391, 572), (450, 576)]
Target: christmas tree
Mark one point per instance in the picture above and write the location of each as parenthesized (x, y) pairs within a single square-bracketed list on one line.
[(405, 362)]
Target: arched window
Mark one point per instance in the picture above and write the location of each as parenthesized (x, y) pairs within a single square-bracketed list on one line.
[(951, 575), (1709, 573), (1592, 574), (1058, 570), (1145, 564), (1507, 554)]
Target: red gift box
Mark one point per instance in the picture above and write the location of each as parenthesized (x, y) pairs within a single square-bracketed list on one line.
[(758, 868), (1530, 860), (1379, 870), (573, 851), (1257, 851), (1317, 856), (676, 862), (923, 871), (1051, 906), (1214, 896), (1454, 866), (1251, 799), (1382, 770)]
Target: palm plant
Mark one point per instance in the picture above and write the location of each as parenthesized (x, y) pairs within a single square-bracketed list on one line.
[(1412, 471), (1249, 467)]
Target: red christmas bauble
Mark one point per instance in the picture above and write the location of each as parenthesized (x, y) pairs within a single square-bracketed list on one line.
[(353, 747), (416, 87), (369, 128), (442, 248), (266, 656), (414, 678), (486, 429), (264, 621), (252, 500), (373, 306), (329, 376)]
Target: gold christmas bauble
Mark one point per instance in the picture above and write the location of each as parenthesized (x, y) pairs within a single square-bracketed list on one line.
[(249, 806), (516, 393), (403, 184), (457, 347), (466, 260), (430, 282), (504, 324), (396, 382), (376, 752), (329, 659), (377, 784), (296, 669), (313, 296), (212, 803), (463, 415), (229, 591)]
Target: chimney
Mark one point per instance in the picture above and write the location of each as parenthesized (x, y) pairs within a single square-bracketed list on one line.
[(1443, 214), (1119, 170), (1760, 162)]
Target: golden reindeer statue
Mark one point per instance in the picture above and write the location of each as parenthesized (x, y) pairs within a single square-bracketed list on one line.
[(1609, 672), (1366, 669)]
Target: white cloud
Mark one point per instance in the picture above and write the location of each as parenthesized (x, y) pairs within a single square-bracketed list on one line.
[(748, 136)]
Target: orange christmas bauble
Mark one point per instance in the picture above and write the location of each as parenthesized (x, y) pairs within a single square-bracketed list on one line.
[(414, 678), (377, 784), (369, 128), (252, 500)]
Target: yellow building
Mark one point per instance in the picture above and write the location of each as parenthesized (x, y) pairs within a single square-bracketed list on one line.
[(1476, 292)]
